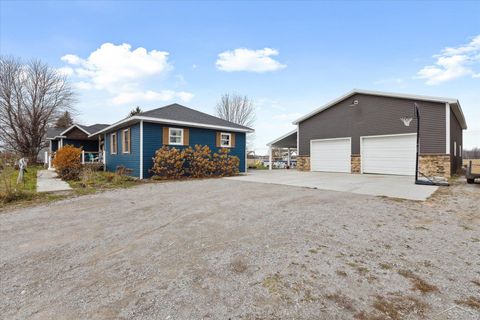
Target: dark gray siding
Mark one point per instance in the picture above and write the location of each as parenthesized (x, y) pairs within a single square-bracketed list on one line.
[(456, 135), (375, 115)]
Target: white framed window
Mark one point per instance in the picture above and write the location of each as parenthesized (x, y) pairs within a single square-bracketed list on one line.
[(460, 151), (126, 141), (175, 136), (454, 148), (225, 140), (113, 143)]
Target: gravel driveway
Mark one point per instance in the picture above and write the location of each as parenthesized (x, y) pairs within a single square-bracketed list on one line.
[(220, 249)]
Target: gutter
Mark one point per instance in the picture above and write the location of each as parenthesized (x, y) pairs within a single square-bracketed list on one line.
[(168, 121)]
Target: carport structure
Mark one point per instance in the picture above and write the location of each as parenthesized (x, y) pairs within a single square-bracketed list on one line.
[(287, 141)]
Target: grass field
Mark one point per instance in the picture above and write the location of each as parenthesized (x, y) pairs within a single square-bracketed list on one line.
[(8, 177), (475, 165), (474, 161), (10, 191)]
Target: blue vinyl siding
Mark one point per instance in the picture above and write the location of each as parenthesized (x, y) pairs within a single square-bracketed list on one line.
[(153, 137), (128, 160), (152, 141)]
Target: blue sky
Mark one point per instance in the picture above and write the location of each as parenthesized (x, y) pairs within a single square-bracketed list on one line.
[(290, 57)]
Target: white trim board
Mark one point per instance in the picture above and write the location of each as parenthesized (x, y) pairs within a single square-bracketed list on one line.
[(458, 110), (447, 128), (282, 137), (181, 140), (298, 140), (73, 126), (229, 139), (171, 122)]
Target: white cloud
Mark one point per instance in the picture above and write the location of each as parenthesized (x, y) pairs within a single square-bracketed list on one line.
[(112, 65), (243, 59), (123, 72), (66, 71), (453, 63), (165, 95)]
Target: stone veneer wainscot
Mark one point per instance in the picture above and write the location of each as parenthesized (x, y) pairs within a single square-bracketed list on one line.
[(303, 163)]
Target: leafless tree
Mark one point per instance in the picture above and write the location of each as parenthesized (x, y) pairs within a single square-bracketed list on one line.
[(473, 153), (32, 96), (237, 109)]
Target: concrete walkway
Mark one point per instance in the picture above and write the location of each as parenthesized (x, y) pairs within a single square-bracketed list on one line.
[(402, 187), (47, 181)]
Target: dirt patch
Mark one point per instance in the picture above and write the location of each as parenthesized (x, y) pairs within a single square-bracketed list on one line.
[(417, 282), (394, 307), (472, 302), (342, 301)]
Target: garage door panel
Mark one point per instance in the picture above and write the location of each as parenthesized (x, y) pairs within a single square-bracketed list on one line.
[(389, 155), (330, 155)]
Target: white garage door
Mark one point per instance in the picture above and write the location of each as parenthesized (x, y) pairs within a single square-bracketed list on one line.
[(331, 155), (389, 154)]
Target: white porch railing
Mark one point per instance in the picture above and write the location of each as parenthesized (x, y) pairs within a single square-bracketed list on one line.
[(86, 157), (93, 156)]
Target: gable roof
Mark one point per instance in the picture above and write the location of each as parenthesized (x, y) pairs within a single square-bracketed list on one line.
[(177, 114), (54, 132), (94, 127), (288, 140), (454, 103)]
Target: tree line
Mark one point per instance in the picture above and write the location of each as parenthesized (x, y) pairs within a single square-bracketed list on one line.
[(471, 154)]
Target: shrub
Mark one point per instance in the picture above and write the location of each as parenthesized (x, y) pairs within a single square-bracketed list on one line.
[(197, 162), (67, 162), (225, 164), (171, 163), (201, 164), (94, 166)]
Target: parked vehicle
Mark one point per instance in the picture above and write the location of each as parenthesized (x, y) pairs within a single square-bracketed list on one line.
[(472, 172)]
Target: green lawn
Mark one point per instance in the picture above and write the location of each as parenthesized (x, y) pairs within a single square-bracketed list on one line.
[(10, 191)]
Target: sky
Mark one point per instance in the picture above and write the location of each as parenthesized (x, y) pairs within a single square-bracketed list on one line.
[(289, 57)]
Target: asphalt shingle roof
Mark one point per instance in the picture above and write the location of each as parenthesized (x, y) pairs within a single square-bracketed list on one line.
[(178, 112), (95, 127), (52, 132)]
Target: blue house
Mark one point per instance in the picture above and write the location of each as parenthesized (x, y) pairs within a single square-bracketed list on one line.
[(79, 136), (132, 142)]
